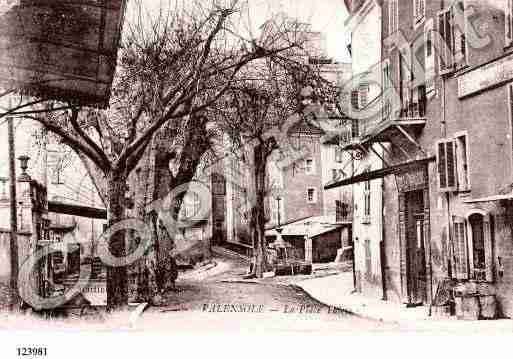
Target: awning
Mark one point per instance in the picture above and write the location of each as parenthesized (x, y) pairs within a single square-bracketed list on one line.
[(77, 210), (381, 173), (498, 197), (311, 227)]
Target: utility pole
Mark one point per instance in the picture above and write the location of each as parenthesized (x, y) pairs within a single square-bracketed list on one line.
[(15, 301)]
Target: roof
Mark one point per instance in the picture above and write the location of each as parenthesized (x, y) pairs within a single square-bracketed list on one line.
[(311, 226)]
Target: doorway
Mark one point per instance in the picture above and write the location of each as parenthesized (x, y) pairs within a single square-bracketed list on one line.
[(415, 249)]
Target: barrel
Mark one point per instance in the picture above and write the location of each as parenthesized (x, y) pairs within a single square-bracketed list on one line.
[(488, 305)]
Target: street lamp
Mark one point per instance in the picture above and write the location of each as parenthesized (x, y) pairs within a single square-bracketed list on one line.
[(278, 200), (24, 165)]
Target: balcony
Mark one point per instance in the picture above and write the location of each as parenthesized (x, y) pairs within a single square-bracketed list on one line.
[(386, 125)]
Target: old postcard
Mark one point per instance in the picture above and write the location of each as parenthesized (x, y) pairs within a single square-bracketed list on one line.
[(271, 166)]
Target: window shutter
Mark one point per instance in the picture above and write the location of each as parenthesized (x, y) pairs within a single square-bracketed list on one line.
[(460, 47), (451, 164), (355, 128), (508, 22), (446, 46), (487, 231), (470, 251), (446, 160), (354, 100), (460, 248), (442, 165)]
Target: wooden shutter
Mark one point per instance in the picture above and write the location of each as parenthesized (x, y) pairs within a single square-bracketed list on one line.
[(470, 251), (508, 22), (355, 128), (460, 46), (355, 94), (488, 243), (460, 256), (446, 47), (403, 215), (451, 164), (446, 160)]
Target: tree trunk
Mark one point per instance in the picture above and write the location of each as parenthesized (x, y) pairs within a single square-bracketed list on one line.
[(258, 213), (117, 278)]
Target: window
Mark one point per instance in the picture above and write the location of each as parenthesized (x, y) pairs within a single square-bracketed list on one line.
[(460, 42), (462, 162), (341, 210), (508, 22), (429, 56), (405, 77), (311, 195), (451, 27), (354, 100), (392, 16), (386, 85), (309, 166), (218, 184), (472, 247), (338, 155), (446, 31), (453, 164), (446, 160), (192, 205), (334, 174), (278, 211), (368, 258), (363, 95), (419, 10), (367, 200), (355, 128)]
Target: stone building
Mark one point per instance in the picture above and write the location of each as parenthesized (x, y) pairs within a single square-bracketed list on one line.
[(445, 158)]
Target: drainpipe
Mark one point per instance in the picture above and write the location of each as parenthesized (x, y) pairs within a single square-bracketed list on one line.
[(443, 129), (382, 243)]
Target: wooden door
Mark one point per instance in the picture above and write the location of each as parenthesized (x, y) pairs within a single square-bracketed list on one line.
[(415, 249)]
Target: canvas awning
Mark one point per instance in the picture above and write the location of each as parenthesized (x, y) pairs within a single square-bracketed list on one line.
[(381, 173), (311, 227)]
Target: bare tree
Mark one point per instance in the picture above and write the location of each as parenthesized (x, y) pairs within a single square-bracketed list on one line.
[(260, 111), (172, 67)]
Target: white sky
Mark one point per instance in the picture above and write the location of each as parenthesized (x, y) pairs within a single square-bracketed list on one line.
[(326, 16)]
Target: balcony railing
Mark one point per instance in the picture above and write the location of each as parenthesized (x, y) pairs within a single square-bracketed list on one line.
[(363, 128)]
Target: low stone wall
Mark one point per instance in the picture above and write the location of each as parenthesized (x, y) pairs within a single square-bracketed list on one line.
[(24, 249)]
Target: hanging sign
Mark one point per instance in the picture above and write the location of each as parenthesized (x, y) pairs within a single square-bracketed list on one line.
[(413, 180)]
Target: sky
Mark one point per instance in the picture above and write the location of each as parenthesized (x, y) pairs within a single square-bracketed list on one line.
[(326, 16)]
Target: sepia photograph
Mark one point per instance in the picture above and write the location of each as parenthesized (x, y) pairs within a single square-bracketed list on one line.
[(255, 166)]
